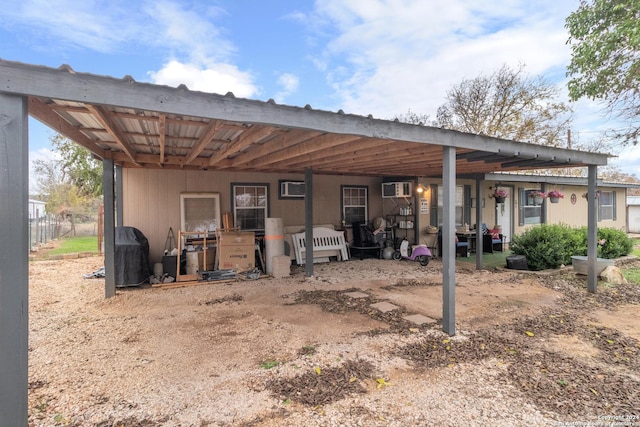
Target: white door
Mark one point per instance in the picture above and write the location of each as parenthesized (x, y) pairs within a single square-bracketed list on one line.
[(503, 215)]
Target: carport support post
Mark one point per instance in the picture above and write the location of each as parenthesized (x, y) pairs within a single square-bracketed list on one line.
[(14, 267), (119, 214), (308, 221), (479, 237), (448, 240), (592, 229), (109, 229)]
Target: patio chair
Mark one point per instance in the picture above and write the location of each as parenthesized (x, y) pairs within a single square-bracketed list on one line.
[(492, 240), (462, 245)]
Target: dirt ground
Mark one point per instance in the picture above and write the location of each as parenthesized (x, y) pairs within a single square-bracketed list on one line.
[(529, 350)]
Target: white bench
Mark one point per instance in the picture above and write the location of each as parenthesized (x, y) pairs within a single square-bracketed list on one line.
[(326, 243)]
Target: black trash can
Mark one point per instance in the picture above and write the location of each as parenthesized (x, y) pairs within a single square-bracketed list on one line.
[(517, 262)]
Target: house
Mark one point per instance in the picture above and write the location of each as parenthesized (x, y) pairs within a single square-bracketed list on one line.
[(633, 214), (157, 143)]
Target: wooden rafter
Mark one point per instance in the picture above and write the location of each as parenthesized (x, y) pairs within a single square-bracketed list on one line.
[(48, 116), (162, 126), (248, 137), (102, 115), (282, 142), (204, 140)]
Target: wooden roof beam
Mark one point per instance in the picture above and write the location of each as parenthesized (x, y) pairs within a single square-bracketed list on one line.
[(321, 142), (253, 135), (282, 141), (44, 113), (102, 115), (205, 139), (162, 129)]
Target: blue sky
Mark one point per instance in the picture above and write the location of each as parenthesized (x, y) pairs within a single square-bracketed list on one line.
[(362, 56)]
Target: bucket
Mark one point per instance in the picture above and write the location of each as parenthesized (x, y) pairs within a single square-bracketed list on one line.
[(192, 262), (158, 269)]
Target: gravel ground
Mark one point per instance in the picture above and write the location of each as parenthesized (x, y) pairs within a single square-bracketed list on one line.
[(529, 350)]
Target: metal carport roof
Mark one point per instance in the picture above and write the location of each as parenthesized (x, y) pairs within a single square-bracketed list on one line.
[(141, 125)]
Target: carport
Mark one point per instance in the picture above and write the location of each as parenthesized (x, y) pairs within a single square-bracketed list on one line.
[(128, 124)]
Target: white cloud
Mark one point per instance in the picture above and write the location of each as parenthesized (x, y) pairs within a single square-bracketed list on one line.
[(217, 78), (289, 83), (392, 55)]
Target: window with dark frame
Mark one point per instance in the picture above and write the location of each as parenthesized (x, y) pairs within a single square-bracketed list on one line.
[(529, 212), (606, 206), (355, 205), (250, 206)]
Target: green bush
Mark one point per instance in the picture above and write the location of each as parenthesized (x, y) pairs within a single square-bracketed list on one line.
[(612, 243), (550, 246), (547, 245)]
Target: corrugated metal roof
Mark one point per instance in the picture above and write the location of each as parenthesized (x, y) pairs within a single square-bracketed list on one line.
[(144, 125)]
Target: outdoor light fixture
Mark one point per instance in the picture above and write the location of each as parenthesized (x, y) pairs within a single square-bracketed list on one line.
[(419, 188)]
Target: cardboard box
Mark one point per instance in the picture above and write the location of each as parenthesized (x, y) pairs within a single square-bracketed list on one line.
[(237, 250), (237, 238), (241, 258)]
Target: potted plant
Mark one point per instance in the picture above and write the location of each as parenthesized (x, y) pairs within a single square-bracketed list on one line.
[(499, 195), (586, 195), (555, 196), (538, 197)]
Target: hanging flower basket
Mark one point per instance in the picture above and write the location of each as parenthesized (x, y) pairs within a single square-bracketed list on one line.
[(499, 195), (555, 196), (538, 197), (586, 195)]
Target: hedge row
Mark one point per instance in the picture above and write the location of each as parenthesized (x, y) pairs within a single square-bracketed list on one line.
[(551, 245)]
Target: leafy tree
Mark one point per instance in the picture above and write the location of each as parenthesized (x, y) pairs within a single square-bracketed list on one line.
[(507, 104), (605, 57), (78, 164), (71, 184)]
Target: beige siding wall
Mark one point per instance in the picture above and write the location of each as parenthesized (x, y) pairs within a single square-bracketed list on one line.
[(564, 212), (151, 198)]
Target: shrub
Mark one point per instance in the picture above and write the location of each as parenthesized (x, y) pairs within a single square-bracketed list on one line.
[(612, 243), (547, 245)]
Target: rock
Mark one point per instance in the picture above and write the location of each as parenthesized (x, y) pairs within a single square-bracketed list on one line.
[(613, 275)]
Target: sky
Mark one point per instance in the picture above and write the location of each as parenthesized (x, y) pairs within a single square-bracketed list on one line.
[(378, 57)]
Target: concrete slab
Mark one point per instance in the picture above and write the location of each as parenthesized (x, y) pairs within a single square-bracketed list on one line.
[(419, 319), (384, 306), (356, 295)]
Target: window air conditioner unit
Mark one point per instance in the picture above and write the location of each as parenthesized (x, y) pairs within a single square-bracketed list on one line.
[(396, 189), (292, 189)]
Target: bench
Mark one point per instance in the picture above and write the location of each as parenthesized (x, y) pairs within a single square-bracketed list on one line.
[(326, 243)]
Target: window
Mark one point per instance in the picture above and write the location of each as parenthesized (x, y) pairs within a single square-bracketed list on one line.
[(250, 206), (355, 206), (199, 212), (459, 205), (607, 206), (530, 212)]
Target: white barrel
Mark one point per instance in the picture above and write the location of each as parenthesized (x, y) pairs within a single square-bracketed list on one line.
[(157, 269), (273, 240), (192, 262)]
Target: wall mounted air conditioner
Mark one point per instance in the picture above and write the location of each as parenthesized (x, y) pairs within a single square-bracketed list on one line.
[(396, 189), (291, 188)]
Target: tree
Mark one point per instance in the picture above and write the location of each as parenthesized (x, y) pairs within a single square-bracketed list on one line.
[(507, 104), (605, 57), (78, 164), (71, 184)]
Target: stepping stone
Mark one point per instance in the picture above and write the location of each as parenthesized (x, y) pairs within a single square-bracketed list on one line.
[(419, 319), (384, 306), (356, 295)]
